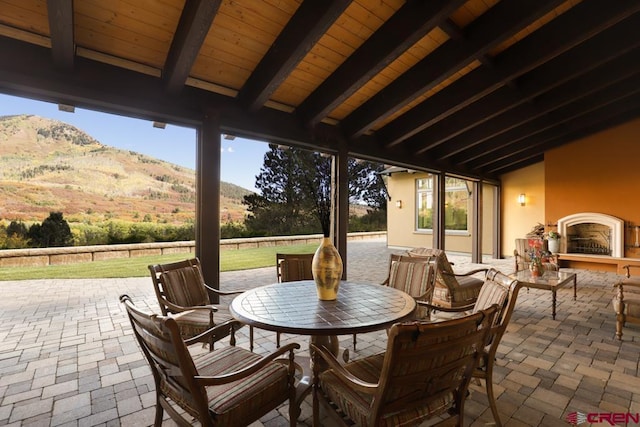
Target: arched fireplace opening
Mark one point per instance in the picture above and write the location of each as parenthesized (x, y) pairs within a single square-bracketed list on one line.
[(592, 233)]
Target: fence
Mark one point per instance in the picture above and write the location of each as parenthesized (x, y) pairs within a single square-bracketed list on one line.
[(76, 254)]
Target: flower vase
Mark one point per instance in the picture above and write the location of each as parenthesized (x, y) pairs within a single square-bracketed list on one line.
[(536, 269), (327, 270), (554, 245)]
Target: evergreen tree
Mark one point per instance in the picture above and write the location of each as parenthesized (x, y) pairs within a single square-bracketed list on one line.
[(54, 231), (295, 186), (16, 229)]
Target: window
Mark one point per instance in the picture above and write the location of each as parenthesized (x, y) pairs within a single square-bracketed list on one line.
[(457, 199), (425, 203), (456, 204)]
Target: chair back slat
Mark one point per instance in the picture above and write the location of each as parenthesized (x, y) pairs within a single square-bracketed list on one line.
[(292, 267)]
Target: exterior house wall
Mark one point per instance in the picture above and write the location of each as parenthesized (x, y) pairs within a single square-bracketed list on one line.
[(401, 222)]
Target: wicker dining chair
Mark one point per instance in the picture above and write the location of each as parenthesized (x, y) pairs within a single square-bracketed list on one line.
[(500, 290), (182, 292), (424, 373), (230, 386)]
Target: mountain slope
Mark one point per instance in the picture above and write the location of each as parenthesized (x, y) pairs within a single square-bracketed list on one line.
[(47, 165)]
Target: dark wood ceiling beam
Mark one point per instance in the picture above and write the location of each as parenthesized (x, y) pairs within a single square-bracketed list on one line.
[(472, 125), (573, 27), (408, 25), (601, 121), (594, 81), (493, 27), (195, 22), (568, 120), (452, 30), (310, 22), (61, 29)]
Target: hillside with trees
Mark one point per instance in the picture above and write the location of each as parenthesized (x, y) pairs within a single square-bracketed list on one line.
[(50, 166), (60, 187)]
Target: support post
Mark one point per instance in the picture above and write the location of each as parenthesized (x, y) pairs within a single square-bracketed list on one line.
[(341, 167), (208, 157), (438, 212), (476, 219)]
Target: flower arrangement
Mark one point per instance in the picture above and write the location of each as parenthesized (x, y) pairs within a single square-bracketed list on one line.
[(536, 250), (537, 255)]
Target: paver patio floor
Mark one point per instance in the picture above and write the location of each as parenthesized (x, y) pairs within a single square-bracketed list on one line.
[(67, 355)]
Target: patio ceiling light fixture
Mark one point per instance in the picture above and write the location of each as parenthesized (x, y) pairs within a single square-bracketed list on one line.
[(67, 108)]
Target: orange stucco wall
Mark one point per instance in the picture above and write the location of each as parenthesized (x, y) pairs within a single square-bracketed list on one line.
[(600, 173)]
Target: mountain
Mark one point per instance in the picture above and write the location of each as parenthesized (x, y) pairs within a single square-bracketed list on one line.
[(47, 165)]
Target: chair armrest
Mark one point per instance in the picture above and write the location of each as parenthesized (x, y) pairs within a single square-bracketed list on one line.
[(219, 292), (621, 285), (220, 328), (468, 273), (207, 380), (628, 267), (341, 371), (446, 309), (178, 308)]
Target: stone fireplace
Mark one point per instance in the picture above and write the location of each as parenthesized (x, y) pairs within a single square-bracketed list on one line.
[(592, 233)]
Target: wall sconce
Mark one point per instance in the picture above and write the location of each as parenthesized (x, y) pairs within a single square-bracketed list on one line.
[(399, 204), (521, 199)]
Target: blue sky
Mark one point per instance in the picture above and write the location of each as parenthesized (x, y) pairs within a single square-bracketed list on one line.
[(241, 158)]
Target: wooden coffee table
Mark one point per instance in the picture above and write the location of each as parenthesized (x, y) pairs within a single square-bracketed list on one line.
[(549, 281)]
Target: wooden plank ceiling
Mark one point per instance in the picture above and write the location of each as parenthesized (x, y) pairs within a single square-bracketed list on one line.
[(476, 87)]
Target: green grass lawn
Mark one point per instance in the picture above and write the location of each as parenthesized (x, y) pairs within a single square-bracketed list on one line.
[(242, 259)]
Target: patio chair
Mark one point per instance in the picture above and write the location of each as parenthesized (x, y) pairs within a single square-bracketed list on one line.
[(292, 267), (626, 301), (452, 290), (230, 386), (414, 276), (183, 294), (424, 373), (523, 260), (501, 290)]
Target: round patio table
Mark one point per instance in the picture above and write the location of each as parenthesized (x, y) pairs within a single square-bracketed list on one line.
[(294, 307)]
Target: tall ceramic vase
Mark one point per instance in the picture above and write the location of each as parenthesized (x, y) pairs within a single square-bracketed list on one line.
[(554, 245), (327, 270)]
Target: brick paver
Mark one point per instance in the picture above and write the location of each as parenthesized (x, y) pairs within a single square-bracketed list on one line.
[(67, 356)]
